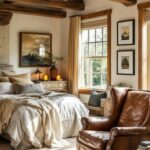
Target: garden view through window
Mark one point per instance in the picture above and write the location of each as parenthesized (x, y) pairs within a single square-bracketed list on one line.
[(94, 58)]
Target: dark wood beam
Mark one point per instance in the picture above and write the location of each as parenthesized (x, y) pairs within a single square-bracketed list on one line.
[(32, 11), (127, 2), (5, 18), (74, 5)]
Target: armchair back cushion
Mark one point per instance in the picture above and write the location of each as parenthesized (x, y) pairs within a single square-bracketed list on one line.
[(135, 109)]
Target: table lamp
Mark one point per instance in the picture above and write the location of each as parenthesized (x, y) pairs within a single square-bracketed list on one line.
[(38, 72)]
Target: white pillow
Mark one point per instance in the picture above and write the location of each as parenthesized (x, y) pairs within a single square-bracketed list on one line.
[(6, 88)]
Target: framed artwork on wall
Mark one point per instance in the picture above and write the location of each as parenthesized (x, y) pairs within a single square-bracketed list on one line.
[(126, 32), (125, 62), (34, 49)]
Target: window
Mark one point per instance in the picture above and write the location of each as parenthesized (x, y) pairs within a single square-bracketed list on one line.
[(93, 70)]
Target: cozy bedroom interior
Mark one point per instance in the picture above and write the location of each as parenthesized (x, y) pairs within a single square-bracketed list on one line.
[(74, 74)]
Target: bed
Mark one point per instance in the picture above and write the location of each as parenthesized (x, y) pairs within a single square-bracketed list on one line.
[(39, 119)]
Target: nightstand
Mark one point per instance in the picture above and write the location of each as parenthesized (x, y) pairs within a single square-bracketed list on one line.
[(58, 86), (106, 103)]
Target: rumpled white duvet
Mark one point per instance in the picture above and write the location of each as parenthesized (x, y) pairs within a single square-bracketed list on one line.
[(37, 120)]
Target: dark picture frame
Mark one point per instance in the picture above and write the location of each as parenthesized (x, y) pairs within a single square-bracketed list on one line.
[(34, 49), (126, 32), (126, 62)]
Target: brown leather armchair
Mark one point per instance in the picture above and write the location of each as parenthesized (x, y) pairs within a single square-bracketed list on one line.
[(127, 125)]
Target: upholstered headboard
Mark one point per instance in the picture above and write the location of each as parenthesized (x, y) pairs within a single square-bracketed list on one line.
[(6, 67)]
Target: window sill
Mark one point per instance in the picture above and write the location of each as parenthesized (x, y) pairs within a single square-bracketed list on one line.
[(88, 91)]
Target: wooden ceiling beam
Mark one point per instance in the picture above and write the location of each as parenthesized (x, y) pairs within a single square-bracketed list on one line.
[(127, 2), (32, 11), (5, 18), (74, 5)]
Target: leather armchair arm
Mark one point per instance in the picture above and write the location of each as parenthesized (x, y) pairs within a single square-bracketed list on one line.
[(116, 132), (96, 123), (130, 130)]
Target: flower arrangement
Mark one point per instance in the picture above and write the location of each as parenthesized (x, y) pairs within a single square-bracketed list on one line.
[(52, 60)]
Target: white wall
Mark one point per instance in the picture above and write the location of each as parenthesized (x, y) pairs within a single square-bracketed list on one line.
[(28, 23), (4, 44), (119, 12)]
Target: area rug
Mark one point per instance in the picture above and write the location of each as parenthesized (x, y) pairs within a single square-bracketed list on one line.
[(4, 145)]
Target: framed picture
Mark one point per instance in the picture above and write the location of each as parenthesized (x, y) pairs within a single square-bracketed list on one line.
[(126, 62), (126, 32), (34, 49)]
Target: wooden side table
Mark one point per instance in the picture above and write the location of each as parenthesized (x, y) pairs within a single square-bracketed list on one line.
[(95, 111), (106, 104), (58, 86)]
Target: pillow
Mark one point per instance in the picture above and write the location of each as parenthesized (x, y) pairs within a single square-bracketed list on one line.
[(28, 88), (8, 73), (21, 80), (4, 79), (25, 75), (6, 88), (95, 98)]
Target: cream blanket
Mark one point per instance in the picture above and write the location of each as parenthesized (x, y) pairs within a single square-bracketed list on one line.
[(30, 122)]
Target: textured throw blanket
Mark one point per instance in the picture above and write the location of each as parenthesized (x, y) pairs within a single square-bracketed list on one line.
[(30, 122)]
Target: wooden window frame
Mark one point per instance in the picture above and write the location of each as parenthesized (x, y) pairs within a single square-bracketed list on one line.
[(106, 13), (141, 15)]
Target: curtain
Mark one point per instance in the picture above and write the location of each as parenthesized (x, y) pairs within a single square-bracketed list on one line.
[(73, 54)]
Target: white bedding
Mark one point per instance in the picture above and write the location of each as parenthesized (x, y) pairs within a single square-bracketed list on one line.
[(62, 112)]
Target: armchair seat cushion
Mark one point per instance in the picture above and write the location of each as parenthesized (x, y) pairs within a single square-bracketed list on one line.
[(96, 140)]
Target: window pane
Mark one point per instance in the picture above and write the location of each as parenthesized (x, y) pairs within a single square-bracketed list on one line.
[(104, 79), (85, 80), (104, 65), (85, 51), (96, 64), (94, 58), (96, 79), (105, 34), (98, 49), (105, 49), (84, 36), (99, 36), (92, 49), (92, 35), (86, 65)]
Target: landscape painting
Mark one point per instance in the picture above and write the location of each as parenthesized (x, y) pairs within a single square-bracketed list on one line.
[(35, 49)]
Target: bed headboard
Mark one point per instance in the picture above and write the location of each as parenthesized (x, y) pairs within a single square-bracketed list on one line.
[(6, 67)]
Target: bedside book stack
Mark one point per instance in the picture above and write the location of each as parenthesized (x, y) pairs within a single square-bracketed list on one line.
[(145, 145)]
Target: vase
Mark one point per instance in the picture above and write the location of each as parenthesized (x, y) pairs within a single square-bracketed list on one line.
[(53, 73)]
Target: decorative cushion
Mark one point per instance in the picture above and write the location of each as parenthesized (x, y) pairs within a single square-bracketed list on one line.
[(28, 88), (95, 98), (4, 79), (6, 88), (21, 78), (25, 75), (8, 73)]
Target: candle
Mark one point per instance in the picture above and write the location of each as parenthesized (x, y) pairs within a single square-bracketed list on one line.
[(58, 78), (45, 78)]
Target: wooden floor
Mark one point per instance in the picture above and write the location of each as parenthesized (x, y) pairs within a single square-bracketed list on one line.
[(5, 145)]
